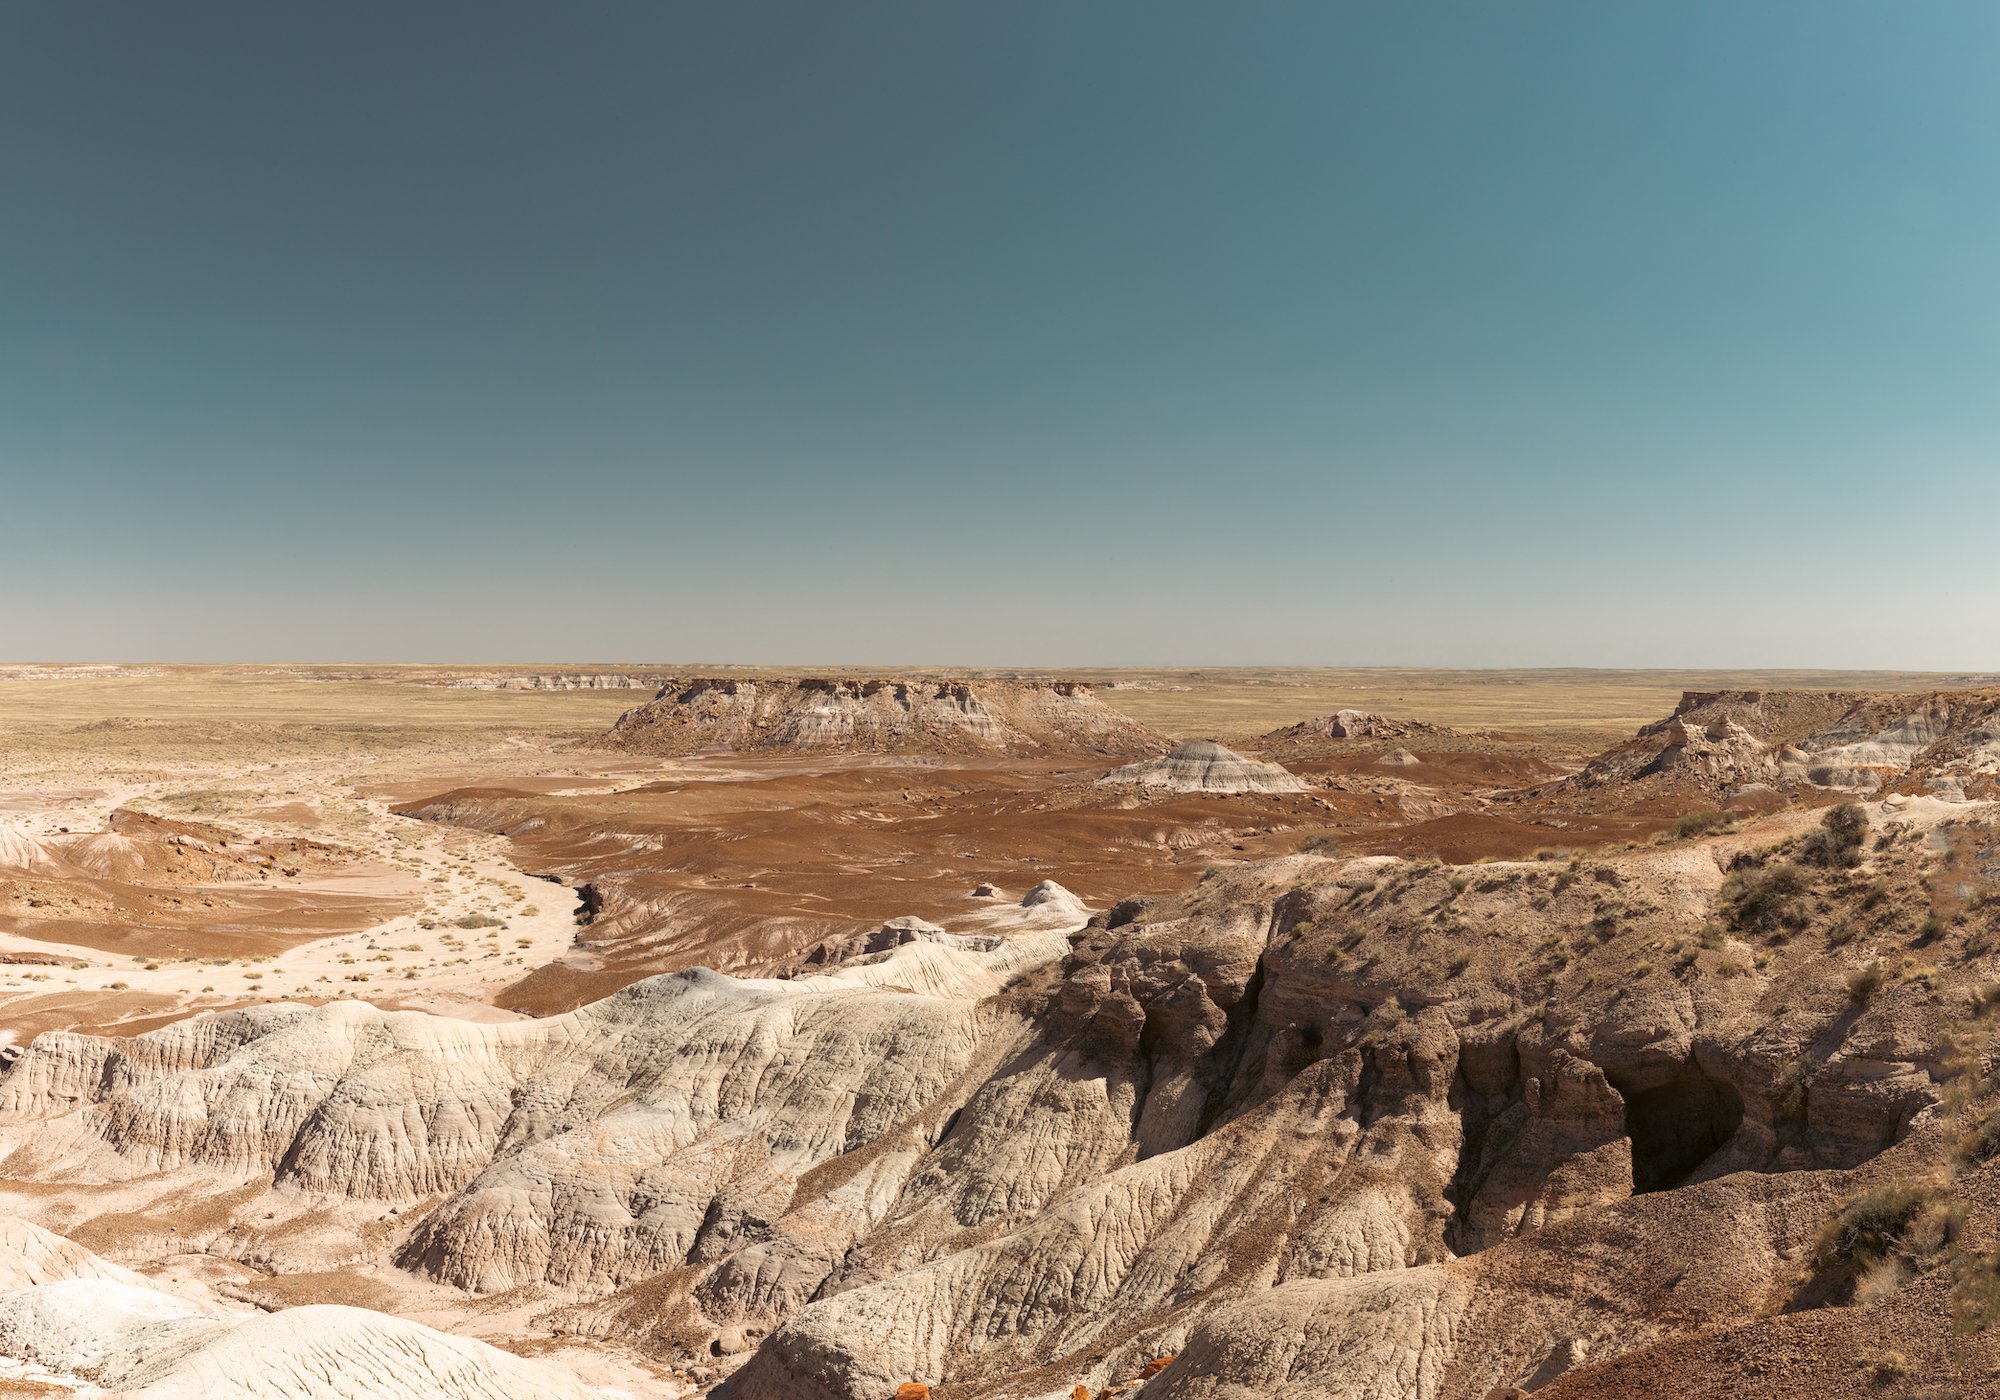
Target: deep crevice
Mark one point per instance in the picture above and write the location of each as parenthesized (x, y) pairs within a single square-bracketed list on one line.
[(1677, 1125)]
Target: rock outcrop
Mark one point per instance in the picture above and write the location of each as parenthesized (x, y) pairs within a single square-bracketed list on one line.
[(1202, 766), (1715, 740), (907, 716), (1326, 733), (559, 681), (1365, 1127)]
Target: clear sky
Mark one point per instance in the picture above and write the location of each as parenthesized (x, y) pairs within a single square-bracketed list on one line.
[(1035, 332)]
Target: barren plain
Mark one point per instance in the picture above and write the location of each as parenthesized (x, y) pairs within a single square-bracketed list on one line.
[(629, 1030)]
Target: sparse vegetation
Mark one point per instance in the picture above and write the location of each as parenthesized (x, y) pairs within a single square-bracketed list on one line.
[(1888, 1234), (1981, 1143)]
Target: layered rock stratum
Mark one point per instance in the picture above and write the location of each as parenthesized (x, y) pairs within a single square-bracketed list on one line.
[(1201, 765), (1844, 741), (908, 716), (71, 1321)]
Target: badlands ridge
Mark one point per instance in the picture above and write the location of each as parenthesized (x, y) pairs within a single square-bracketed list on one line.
[(1434, 1063)]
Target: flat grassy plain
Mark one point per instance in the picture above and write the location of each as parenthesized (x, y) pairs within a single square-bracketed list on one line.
[(1589, 708), (153, 718), (163, 716)]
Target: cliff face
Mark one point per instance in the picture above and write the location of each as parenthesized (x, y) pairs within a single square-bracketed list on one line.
[(880, 716)]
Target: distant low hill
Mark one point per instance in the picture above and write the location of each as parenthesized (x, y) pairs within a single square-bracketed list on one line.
[(886, 715)]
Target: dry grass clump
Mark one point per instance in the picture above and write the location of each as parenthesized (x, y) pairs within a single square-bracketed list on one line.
[(1887, 1236), (1981, 1143), (1863, 982)]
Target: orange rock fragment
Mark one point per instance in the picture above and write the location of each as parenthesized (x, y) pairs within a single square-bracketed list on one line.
[(913, 1390), (1155, 1366)]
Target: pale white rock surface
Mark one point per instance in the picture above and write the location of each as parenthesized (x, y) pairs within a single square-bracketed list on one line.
[(1202, 766)]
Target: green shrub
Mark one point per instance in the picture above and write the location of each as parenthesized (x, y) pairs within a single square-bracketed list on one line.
[(1701, 823), (1835, 843)]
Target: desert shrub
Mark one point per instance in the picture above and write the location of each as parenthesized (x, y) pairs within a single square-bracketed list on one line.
[(1701, 823), (1931, 930), (1890, 1367), (1863, 982), (1835, 843), (1762, 899), (1876, 893), (1975, 1292), (485, 920), (1981, 1143), (1323, 843), (1907, 1221)]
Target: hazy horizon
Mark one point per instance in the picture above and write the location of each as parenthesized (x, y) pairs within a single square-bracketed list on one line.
[(1027, 336)]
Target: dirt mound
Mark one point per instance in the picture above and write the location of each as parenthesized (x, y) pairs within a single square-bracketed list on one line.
[(1201, 766), (1314, 735), (879, 716)]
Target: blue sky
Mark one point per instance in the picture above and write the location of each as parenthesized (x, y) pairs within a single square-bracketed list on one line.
[(1027, 333)]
